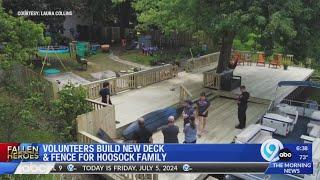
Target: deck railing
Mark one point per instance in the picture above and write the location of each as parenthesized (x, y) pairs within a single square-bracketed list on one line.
[(86, 138), (195, 64), (132, 80), (102, 117), (211, 79), (184, 94), (96, 105)]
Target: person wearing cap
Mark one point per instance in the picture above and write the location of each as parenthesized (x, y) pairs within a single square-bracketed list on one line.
[(202, 108), (170, 132), (142, 135), (188, 112)]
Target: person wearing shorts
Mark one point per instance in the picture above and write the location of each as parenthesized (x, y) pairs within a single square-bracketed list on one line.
[(202, 108)]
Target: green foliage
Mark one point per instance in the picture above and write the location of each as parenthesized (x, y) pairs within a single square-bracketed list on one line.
[(247, 43), (15, 115), (19, 37), (71, 103), (272, 26)]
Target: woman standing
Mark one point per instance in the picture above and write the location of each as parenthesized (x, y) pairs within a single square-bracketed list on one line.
[(203, 107)]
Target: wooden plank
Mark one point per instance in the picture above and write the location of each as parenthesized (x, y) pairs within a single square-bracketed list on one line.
[(132, 80), (103, 118), (82, 135)]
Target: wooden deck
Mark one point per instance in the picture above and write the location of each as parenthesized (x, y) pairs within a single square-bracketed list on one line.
[(221, 127), (222, 120), (260, 81), (132, 104)]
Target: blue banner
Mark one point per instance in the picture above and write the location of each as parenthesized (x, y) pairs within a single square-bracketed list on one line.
[(162, 152), (272, 156)]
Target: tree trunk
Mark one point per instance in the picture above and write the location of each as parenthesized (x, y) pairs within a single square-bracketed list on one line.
[(124, 17), (225, 51)]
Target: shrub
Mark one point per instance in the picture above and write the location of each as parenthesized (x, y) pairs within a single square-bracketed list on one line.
[(71, 103)]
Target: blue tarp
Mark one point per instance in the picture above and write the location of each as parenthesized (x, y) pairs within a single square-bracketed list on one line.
[(152, 121), (299, 83)]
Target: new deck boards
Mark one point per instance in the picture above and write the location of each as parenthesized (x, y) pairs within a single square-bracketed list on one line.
[(260, 81), (221, 121)]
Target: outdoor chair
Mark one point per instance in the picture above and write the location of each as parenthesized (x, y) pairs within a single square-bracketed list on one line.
[(235, 58), (83, 62), (261, 59), (276, 61), (241, 58), (247, 58)]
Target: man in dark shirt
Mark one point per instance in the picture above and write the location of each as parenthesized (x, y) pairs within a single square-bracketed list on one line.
[(242, 107), (105, 93), (170, 132), (188, 112), (142, 135)]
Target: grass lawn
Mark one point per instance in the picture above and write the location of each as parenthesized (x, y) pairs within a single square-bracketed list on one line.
[(99, 62), (96, 63), (63, 56), (137, 57)]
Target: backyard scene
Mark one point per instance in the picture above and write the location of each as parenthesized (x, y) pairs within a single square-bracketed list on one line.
[(89, 76)]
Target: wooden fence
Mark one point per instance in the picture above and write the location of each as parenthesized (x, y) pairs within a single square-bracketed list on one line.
[(101, 118), (86, 138), (173, 40), (24, 77), (184, 94), (96, 105), (211, 79), (195, 64), (132, 80)]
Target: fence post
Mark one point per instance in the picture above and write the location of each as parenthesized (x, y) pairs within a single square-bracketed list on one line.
[(55, 90)]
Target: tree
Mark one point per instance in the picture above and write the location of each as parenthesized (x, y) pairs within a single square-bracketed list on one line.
[(219, 18), (71, 103), (54, 24), (19, 37), (284, 25)]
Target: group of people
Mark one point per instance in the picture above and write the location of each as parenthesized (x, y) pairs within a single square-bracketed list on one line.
[(191, 130), (194, 118)]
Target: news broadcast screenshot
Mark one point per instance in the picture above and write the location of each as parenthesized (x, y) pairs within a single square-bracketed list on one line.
[(159, 90)]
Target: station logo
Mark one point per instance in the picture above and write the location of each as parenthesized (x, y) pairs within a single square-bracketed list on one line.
[(186, 167), (70, 168), (270, 150)]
